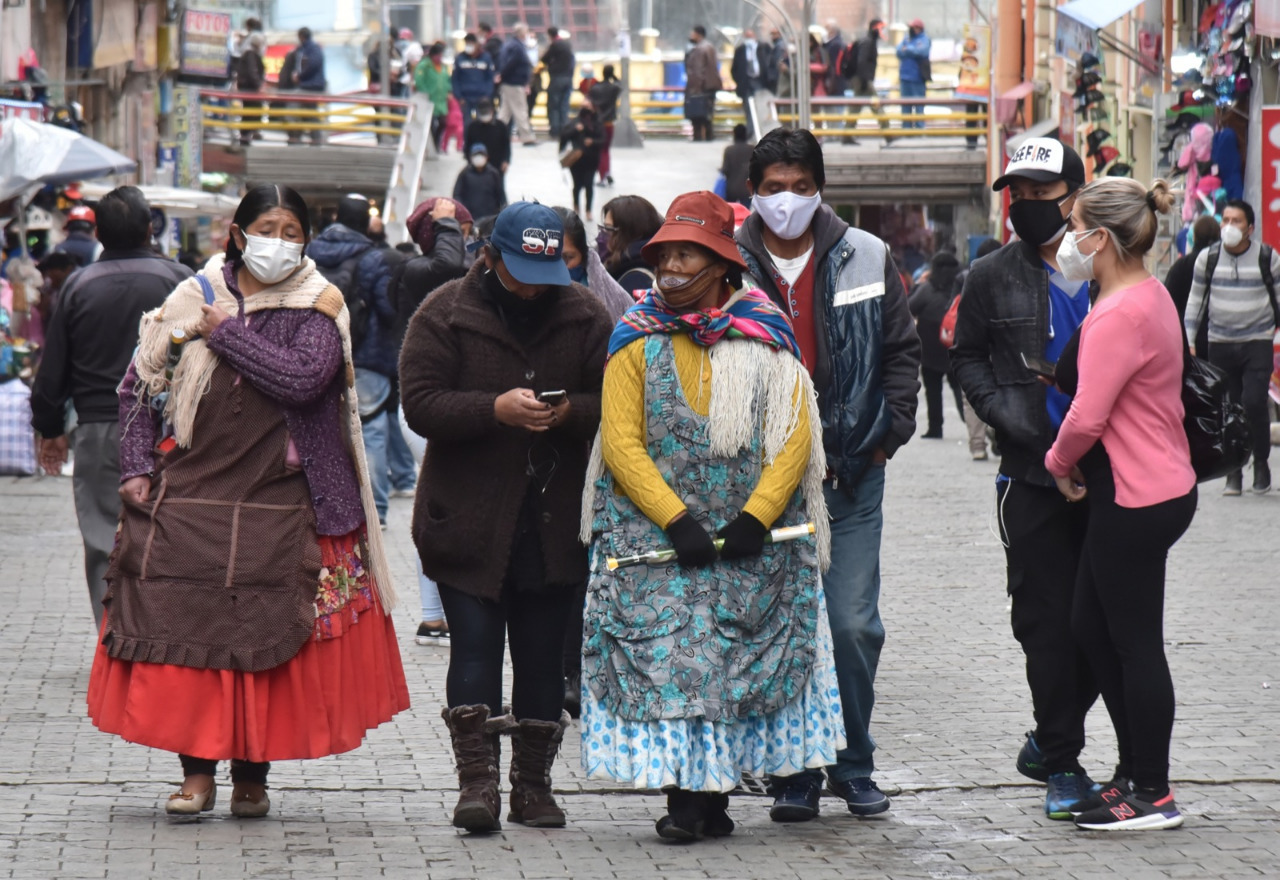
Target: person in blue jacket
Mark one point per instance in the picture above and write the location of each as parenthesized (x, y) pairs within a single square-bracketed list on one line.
[(310, 73), (473, 73), (913, 69)]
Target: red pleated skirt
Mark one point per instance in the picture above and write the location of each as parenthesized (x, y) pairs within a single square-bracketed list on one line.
[(319, 703)]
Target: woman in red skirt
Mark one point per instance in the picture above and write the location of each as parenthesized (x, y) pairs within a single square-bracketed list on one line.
[(247, 611)]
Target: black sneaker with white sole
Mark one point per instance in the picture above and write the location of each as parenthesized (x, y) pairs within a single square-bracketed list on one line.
[(432, 635), (1128, 812)]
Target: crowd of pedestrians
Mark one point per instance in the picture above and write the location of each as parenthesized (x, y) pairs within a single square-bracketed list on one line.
[(652, 465)]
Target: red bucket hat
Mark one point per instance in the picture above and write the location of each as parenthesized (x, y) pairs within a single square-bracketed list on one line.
[(702, 218)]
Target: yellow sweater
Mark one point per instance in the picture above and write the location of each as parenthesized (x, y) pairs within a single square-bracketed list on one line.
[(623, 436)]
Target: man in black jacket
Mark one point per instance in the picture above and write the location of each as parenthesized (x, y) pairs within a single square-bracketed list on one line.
[(843, 293), (496, 136), (90, 339), (558, 59), (747, 69), (1015, 303), (860, 67)]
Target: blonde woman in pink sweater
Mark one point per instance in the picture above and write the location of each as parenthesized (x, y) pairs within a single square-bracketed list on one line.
[(1123, 445)]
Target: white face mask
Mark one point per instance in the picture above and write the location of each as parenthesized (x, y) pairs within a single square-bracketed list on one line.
[(271, 260), (1232, 236), (786, 213), (485, 117), (479, 161), (1073, 265)]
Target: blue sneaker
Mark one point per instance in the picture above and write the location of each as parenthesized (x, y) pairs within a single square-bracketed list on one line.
[(795, 799), (1067, 795), (861, 795), (1031, 760)]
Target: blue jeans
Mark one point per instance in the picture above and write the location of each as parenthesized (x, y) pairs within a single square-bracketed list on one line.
[(429, 594), (558, 91), (404, 473), (912, 89), (372, 390), (852, 586)]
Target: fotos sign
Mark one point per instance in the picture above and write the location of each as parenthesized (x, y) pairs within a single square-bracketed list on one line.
[(206, 53)]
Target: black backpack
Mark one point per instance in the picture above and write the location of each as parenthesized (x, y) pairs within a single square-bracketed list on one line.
[(343, 276)]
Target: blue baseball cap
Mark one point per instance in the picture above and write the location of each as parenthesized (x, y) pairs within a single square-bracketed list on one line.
[(530, 238)]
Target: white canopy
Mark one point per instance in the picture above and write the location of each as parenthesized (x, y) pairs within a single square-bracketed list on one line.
[(175, 202)]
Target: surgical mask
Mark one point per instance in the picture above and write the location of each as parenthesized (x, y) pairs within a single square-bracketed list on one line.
[(786, 213), (682, 291), (579, 273), (271, 260), (1232, 236), (1073, 265), (1038, 221), (485, 117), (479, 161)]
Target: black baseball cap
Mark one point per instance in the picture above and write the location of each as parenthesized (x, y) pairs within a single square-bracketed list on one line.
[(1043, 160)]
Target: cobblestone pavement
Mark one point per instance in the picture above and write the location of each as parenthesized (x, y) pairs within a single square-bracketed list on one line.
[(953, 706)]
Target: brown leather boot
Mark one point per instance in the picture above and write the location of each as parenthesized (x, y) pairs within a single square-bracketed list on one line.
[(534, 745), (474, 736)]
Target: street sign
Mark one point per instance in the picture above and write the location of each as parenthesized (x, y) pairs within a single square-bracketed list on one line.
[(1271, 175)]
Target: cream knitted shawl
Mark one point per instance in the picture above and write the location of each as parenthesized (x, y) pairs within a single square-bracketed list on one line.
[(304, 289)]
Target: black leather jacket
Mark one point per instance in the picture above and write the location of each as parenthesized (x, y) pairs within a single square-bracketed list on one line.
[(1003, 313)]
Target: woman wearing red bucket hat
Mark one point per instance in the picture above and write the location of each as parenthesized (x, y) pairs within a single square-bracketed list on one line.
[(695, 664)]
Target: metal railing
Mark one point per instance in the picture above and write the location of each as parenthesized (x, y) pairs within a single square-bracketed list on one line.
[(940, 117), (297, 113)]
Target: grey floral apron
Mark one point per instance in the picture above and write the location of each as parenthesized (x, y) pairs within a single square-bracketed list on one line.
[(723, 642)]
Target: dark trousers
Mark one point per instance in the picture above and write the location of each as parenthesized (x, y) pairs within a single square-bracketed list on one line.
[(584, 177), (701, 128), (1248, 367), (533, 624), (971, 142), (573, 632), (1043, 537), (1118, 618), (241, 771), (251, 112), (865, 89), (933, 396)]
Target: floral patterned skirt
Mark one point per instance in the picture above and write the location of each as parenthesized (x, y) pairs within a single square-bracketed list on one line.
[(344, 681), (700, 755)]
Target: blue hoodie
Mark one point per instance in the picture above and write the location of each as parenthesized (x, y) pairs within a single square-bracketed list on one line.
[(333, 247), (311, 67), (473, 76)]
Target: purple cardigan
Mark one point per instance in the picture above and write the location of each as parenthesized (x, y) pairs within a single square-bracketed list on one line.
[(294, 357)]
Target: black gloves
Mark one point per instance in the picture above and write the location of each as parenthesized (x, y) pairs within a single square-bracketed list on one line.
[(743, 536), (691, 542)]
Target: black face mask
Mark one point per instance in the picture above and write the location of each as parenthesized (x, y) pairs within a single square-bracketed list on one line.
[(1037, 221), (518, 312)]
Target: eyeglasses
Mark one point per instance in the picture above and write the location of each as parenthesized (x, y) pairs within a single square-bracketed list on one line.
[(606, 228)]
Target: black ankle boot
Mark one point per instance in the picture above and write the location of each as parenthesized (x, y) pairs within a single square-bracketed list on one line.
[(718, 822), (686, 815)]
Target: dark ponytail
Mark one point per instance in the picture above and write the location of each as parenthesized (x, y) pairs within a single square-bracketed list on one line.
[(259, 201)]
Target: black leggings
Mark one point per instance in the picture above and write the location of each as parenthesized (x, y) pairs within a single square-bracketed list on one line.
[(241, 771), (1118, 618), (533, 623), (584, 176)]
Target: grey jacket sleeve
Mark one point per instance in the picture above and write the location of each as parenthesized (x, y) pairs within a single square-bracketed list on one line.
[(899, 359)]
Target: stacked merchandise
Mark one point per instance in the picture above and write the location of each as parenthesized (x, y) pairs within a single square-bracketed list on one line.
[(1088, 102)]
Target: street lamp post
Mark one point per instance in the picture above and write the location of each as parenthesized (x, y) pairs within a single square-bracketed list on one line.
[(625, 133)]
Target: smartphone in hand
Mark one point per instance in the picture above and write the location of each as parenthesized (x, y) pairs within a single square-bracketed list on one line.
[(1039, 365), (552, 398)]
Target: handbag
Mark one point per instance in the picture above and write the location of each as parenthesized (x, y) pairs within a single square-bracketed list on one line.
[(1217, 430), (569, 156), (697, 107)]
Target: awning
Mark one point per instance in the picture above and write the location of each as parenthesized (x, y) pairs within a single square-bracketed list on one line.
[(1007, 104), (1097, 14), (1044, 128)]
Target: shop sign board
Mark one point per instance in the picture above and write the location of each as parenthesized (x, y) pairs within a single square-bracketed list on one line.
[(189, 134), (21, 110), (975, 61), (1271, 175), (1074, 38), (206, 52)]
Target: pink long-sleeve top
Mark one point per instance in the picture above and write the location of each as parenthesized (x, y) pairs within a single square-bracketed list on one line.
[(1130, 397)]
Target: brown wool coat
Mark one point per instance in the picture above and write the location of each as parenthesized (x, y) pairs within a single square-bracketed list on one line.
[(458, 357)]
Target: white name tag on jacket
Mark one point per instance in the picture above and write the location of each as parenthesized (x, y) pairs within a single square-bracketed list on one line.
[(858, 294)]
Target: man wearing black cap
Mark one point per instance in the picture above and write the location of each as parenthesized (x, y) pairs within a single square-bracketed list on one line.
[(1017, 305)]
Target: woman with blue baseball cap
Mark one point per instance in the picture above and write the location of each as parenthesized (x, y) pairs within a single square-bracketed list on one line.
[(501, 372)]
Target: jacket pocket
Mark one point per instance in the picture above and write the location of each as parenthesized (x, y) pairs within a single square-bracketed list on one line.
[(445, 537), (1006, 360)]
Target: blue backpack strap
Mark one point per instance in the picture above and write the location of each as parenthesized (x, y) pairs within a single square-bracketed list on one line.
[(207, 288)]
